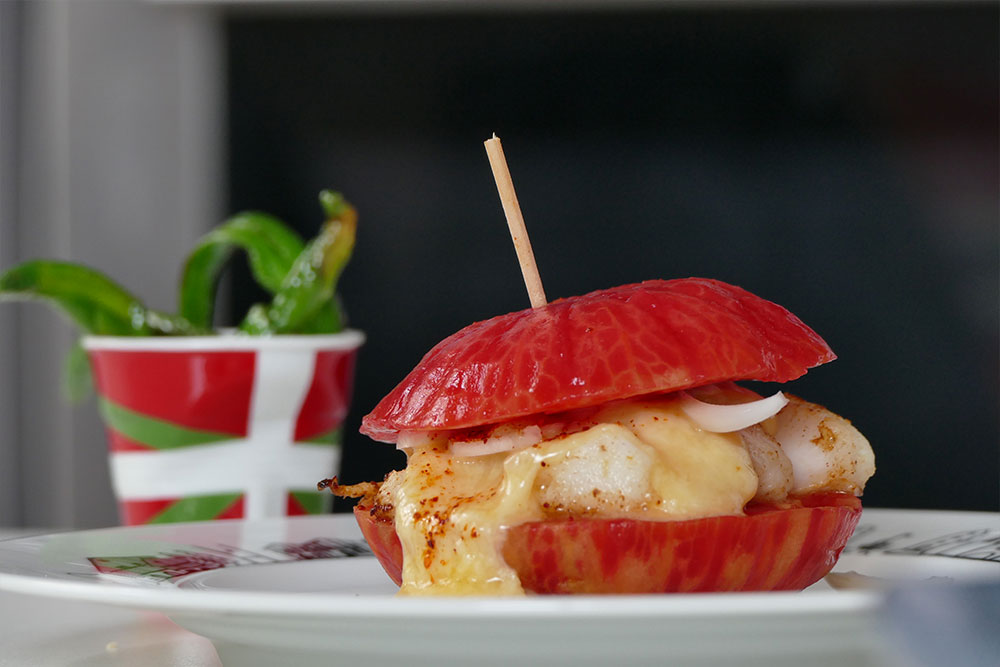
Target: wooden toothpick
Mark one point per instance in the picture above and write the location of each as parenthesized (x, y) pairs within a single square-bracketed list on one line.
[(515, 221)]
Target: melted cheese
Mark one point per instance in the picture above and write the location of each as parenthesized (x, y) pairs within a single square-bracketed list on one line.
[(643, 460)]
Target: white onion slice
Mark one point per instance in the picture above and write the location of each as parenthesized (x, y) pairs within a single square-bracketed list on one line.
[(411, 439), (729, 418), (552, 430), (501, 440)]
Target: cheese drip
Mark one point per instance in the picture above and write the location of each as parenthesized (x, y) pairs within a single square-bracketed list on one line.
[(635, 459)]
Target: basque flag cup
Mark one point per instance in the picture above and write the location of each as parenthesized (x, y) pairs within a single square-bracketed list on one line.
[(222, 427)]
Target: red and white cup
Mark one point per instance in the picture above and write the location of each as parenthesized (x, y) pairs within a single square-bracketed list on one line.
[(222, 427)]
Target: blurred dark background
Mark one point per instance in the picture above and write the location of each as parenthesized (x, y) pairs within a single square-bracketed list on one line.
[(837, 159)]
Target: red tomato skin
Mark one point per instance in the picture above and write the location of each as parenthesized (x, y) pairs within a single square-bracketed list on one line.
[(769, 549), (383, 541), (651, 337)]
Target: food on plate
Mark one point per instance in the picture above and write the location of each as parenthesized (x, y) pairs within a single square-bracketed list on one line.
[(600, 444)]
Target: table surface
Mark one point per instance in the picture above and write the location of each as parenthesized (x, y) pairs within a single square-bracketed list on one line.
[(47, 632)]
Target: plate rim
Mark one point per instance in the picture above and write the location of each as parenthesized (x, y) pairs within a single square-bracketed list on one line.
[(190, 601)]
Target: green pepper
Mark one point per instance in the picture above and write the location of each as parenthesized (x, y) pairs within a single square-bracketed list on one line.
[(301, 277), (97, 304), (306, 300), (77, 378), (271, 249)]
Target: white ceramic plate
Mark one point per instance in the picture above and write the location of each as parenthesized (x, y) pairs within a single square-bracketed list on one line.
[(289, 591)]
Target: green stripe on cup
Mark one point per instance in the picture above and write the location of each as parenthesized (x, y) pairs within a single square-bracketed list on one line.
[(196, 508), (332, 437), (313, 502), (156, 433)]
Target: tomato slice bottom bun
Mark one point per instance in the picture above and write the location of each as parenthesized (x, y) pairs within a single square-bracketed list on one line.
[(771, 548)]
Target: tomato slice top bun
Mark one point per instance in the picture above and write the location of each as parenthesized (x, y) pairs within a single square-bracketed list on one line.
[(628, 341)]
